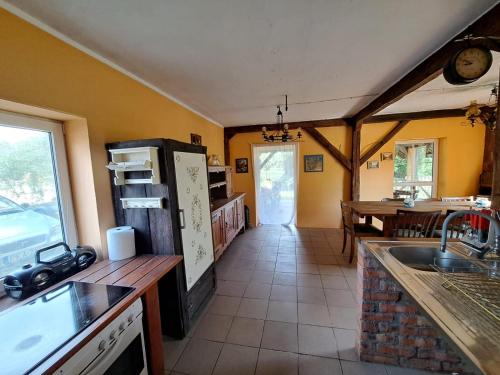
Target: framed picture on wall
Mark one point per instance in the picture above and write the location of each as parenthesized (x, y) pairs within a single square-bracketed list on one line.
[(313, 163), (195, 139), (242, 165), (372, 164), (385, 156)]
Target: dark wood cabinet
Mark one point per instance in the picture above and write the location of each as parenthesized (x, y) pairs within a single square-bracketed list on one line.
[(181, 225)]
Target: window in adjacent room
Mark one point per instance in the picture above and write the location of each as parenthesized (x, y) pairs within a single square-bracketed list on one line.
[(415, 169), (35, 200)]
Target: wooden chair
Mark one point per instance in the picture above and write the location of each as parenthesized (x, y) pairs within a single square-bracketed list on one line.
[(458, 199), (414, 224), (354, 229)]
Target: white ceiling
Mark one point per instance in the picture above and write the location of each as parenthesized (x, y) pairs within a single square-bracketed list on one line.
[(232, 60)]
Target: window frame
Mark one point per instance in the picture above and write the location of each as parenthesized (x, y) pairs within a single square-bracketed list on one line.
[(60, 163), (435, 161)]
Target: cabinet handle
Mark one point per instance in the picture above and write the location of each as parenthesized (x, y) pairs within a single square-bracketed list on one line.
[(182, 219)]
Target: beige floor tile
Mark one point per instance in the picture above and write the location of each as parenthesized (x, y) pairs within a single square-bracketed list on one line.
[(231, 288), (262, 277), (283, 293), (253, 308), (285, 278), (340, 298), (224, 305), (199, 357), (344, 317), (311, 295), (329, 269), (266, 265), (258, 290), (346, 343), (172, 350), (213, 327), (314, 314), (308, 280), (273, 362), (318, 341), (362, 368), (308, 268), (309, 365), (280, 336), (245, 331), (282, 311), (235, 359), (334, 282), (286, 266)]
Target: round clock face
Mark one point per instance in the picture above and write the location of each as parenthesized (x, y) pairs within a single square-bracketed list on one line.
[(472, 63)]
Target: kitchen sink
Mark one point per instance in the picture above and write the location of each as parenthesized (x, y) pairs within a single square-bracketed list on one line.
[(424, 258)]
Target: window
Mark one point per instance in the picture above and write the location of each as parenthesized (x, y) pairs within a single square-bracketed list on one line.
[(35, 201), (415, 169)]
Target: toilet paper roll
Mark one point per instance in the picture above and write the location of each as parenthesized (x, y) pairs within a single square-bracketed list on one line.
[(121, 243)]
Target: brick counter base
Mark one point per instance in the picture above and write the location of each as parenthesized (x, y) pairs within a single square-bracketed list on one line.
[(392, 330)]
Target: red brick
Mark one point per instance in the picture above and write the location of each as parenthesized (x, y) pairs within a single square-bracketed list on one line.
[(384, 296), (387, 349), (406, 341), (408, 319), (409, 331), (378, 317), (422, 342), (407, 352), (446, 357)]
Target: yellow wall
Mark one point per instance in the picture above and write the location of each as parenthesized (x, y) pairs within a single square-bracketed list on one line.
[(460, 156), (39, 70), (319, 194)]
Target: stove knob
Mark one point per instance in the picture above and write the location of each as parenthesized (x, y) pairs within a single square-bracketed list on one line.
[(102, 345), (112, 335), (130, 318), (122, 326)]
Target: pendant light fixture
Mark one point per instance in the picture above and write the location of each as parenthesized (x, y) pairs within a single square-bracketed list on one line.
[(282, 133)]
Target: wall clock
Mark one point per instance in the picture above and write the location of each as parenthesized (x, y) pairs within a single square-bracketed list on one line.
[(468, 65)]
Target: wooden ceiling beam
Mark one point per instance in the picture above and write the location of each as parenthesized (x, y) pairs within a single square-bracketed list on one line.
[(386, 138), (432, 66), (291, 125), (332, 150), (424, 115)]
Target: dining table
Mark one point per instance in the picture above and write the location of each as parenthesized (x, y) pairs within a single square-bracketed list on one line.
[(383, 210)]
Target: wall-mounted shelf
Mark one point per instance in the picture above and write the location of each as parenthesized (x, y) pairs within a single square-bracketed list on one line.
[(218, 184), (136, 159), (156, 202)]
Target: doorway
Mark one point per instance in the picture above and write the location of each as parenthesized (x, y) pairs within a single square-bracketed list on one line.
[(275, 174)]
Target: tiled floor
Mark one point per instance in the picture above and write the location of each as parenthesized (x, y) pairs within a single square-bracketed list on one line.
[(285, 304)]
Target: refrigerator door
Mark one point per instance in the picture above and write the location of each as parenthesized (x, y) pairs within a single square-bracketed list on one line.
[(194, 214)]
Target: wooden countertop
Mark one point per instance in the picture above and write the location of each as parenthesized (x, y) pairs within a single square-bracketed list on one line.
[(219, 203), (456, 319), (141, 272)]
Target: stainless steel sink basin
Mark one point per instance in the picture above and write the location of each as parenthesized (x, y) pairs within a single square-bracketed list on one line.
[(423, 258)]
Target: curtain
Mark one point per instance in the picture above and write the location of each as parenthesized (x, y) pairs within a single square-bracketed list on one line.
[(275, 174)]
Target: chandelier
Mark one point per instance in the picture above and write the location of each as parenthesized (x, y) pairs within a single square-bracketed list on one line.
[(282, 133), (487, 113)]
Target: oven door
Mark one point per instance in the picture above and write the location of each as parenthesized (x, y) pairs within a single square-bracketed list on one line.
[(126, 355)]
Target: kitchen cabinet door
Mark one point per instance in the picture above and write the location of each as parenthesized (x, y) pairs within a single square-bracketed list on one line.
[(230, 221), (240, 213), (218, 232), (194, 214)]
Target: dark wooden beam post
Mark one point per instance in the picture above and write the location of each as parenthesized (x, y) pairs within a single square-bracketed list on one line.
[(334, 151), (355, 161), (386, 138), (227, 152), (495, 186)]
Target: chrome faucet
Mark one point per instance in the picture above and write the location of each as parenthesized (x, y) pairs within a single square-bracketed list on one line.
[(481, 250)]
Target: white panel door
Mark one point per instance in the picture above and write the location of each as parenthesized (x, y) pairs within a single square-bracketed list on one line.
[(194, 212)]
